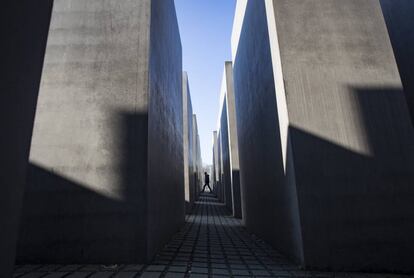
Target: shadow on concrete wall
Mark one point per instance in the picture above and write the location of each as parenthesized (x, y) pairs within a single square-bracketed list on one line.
[(400, 22), (24, 32), (356, 210), (67, 222)]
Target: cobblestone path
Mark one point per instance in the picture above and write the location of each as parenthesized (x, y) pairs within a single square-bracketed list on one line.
[(210, 244)]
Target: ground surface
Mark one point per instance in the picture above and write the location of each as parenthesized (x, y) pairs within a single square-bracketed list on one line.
[(211, 244)]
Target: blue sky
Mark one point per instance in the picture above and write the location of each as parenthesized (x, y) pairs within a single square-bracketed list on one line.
[(205, 29)]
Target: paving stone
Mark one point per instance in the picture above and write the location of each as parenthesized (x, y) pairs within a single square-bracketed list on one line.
[(91, 267), (211, 242), (215, 265), (151, 274), (102, 275), (125, 274), (198, 276), (199, 270), (182, 269), (281, 273), (261, 273), (198, 264), (133, 267), (174, 275), (159, 268), (218, 271), (78, 275), (241, 272), (55, 275), (33, 275), (70, 267)]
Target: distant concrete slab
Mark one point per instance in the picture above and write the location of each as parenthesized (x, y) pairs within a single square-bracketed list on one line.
[(189, 155), (228, 128), (197, 159)]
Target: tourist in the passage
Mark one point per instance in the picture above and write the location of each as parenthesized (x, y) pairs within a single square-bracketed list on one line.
[(207, 182)]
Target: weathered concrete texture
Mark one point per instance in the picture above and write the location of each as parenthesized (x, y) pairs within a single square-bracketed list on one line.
[(233, 141), (165, 135), (189, 147), (400, 21), (266, 194), (25, 26), (326, 144), (106, 177)]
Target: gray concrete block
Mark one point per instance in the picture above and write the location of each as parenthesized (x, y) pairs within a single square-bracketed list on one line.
[(326, 144), (215, 165), (24, 32), (189, 148), (220, 184), (198, 174), (106, 164), (400, 21), (225, 152), (232, 140)]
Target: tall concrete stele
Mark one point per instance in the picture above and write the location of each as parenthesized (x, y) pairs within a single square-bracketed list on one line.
[(24, 35), (215, 165), (326, 144), (189, 154), (106, 174), (400, 21), (198, 175), (220, 184), (225, 155), (228, 129)]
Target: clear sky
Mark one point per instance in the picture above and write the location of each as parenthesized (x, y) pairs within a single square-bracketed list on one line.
[(205, 29)]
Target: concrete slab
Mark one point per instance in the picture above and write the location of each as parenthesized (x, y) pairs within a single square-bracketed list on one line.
[(215, 162), (25, 26), (400, 21), (225, 152), (233, 141), (189, 156), (197, 159), (221, 194), (326, 144), (106, 164)]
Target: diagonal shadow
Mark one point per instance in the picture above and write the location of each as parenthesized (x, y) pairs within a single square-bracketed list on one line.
[(65, 221), (356, 210)]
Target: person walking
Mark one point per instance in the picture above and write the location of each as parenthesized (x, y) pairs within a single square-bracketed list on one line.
[(207, 182)]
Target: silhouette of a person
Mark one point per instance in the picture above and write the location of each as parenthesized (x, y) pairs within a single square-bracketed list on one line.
[(207, 182)]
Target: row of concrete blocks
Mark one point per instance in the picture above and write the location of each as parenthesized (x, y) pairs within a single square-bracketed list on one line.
[(226, 175), (317, 132), (193, 168), (114, 138)]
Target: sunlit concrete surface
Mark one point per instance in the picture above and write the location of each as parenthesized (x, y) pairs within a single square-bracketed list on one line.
[(106, 164), (221, 193), (215, 157), (326, 145), (225, 155), (233, 139), (188, 136), (198, 174)]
